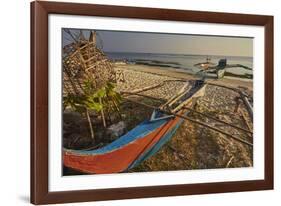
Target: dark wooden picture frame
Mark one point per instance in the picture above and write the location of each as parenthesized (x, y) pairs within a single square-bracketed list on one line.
[(39, 102)]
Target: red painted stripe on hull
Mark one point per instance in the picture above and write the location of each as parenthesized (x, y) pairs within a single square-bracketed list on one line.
[(117, 160)]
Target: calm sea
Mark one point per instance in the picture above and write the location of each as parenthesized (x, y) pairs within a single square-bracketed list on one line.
[(184, 62)]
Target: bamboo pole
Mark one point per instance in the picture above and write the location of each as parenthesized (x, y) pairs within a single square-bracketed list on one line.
[(243, 97), (117, 108), (247, 104), (208, 116), (90, 124), (148, 88), (177, 98), (242, 115), (194, 121), (154, 86), (238, 103), (229, 161), (71, 81), (198, 94), (142, 95), (176, 95), (102, 114), (218, 120), (93, 147), (223, 86), (215, 129)]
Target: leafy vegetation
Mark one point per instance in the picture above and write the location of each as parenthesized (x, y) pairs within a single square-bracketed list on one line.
[(94, 100)]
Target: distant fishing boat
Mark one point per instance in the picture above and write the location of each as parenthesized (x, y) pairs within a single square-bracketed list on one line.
[(205, 65), (138, 144), (220, 69)]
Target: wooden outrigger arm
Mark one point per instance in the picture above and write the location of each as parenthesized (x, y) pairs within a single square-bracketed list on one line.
[(165, 108), (194, 121), (184, 107), (218, 120), (184, 103), (177, 96), (247, 104), (244, 97)]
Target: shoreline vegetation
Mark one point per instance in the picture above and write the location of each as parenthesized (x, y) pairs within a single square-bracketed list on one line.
[(97, 110)]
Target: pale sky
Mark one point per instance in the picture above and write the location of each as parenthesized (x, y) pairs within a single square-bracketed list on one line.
[(140, 42)]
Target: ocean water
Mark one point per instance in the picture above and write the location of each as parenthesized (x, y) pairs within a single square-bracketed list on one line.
[(185, 62)]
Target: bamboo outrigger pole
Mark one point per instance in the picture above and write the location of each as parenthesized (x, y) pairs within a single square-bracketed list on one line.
[(142, 95), (194, 121), (244, 97), (206, 115), (218, 120)]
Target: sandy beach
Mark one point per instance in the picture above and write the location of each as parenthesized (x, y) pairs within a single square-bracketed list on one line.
[(140, 76), (166, 73), (194, 146)]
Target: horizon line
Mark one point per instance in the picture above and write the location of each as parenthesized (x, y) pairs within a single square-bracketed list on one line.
[(177, 54)]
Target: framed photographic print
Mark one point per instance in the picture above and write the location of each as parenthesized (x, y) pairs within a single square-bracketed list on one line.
[(133, 102)]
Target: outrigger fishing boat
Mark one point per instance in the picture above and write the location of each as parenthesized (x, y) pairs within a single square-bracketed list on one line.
[(219, 69), (141, 142), (148, 137)]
